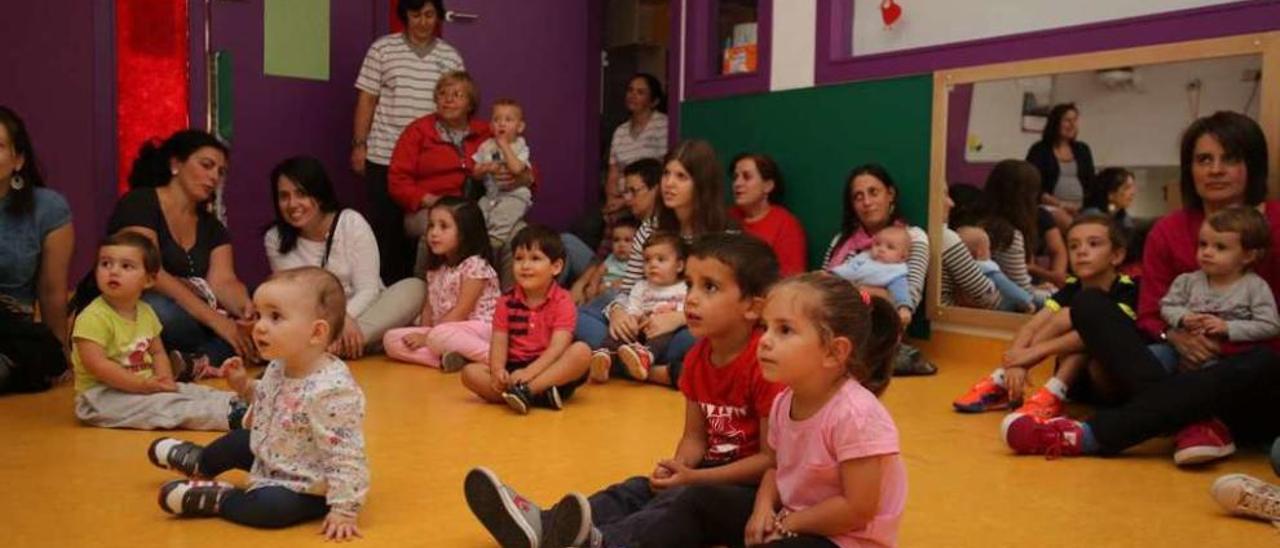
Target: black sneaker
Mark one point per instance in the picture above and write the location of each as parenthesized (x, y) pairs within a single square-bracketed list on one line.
[(194, 498), (550, 398), (235, 418), (175, 454), (519, 398), (569, 522), (910, 362)]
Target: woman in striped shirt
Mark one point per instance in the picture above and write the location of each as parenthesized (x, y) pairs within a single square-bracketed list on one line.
[(691, 204), (1007, 210), (870, 204)]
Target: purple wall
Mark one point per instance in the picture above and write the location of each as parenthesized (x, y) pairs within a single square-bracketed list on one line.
[(62, 86), (959, 170), (541, 59)]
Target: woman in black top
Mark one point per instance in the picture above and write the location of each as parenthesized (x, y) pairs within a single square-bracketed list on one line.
[(197, 295), (1065, 164)]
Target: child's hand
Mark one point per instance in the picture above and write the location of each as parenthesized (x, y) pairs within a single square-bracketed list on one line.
[(1015, 380), (237, 376), (680, 474), (499, 380), (414, 341), (904, 316), (1213, 325), (759, 527), (1018, 358), (155, 385), (660, 472), (340, 527), (521, 376)]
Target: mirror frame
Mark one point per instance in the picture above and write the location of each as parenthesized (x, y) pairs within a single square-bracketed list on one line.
[(1267, 45)]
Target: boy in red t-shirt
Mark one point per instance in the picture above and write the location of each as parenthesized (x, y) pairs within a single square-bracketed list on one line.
[(727, 403), (532, 358)]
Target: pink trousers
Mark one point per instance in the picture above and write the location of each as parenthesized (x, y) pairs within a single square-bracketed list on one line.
[(469, 338)]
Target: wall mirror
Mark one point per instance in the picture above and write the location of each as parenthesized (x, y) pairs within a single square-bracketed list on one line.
[(1130, 107)]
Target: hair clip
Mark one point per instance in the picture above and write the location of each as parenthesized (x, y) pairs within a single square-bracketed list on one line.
[(866, 297)]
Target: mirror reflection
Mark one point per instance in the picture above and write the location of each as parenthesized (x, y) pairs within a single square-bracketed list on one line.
[(1027, 156)]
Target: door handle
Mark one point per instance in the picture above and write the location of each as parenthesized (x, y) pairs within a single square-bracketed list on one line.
[(457, 16)]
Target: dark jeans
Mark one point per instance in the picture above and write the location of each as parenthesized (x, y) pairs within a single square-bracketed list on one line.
[(1241, 390), (265, 507), (624, 511), (30, 355), (395, 250), (184, 333), (713, 515)]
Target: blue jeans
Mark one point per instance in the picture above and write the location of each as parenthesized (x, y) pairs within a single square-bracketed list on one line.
[(577, 257), (182, 332), (1012, 297)]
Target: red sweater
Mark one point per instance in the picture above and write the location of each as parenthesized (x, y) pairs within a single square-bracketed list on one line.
[(1170, 250), (783, 232), (424, 162)]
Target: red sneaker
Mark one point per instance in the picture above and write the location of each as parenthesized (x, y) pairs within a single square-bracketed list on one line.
[(599, 366), (1043, 405), (1201, 442), (638, 360), (1028, 435), (982, 397)]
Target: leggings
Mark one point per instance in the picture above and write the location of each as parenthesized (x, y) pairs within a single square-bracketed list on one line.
[(716, 515), (469, 338), (265, 507)]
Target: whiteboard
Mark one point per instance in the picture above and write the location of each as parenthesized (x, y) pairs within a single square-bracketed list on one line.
[(925, 23)]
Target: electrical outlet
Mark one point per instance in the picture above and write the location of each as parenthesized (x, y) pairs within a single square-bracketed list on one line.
[(1251, 75)]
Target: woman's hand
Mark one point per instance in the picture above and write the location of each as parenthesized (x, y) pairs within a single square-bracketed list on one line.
[(623, 326), (239, 339), (350, 343), (658, 325), (340, 527), (904, 316), (428, 200), (759, 527), (1195, 350)]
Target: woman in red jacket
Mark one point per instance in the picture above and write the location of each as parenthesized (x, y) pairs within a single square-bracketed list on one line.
[(432, 159), (757, 188)]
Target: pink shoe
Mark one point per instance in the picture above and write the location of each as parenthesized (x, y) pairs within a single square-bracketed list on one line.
[(1203, 442)]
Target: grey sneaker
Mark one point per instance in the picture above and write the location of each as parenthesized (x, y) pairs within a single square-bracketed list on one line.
[(453, 362), (514, 521), (569, 523), (1247, 496), (909, 362)]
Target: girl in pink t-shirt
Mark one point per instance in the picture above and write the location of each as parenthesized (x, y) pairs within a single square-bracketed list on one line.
[(837, 478), (462, 292)]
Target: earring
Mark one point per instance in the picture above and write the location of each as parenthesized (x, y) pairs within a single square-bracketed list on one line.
[(16, 182)]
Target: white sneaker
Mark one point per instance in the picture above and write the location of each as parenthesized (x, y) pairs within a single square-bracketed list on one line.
[(1247, 496)]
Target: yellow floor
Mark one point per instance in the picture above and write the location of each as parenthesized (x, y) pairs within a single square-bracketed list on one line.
[(67, 485)]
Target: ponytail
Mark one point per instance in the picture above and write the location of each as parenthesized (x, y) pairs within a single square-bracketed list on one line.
[(151, 168), (881, 346)]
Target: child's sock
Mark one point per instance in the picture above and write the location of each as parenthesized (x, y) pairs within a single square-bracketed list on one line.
[(1056, 387), (997, 377)]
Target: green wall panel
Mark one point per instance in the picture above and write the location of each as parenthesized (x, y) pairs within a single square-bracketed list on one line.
[(818, 134)]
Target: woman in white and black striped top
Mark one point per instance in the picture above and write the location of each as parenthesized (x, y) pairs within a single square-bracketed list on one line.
[(1007, 210), (691, 204), (870, 204)]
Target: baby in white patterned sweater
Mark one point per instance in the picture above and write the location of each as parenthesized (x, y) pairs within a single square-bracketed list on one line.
[(304, 447)]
